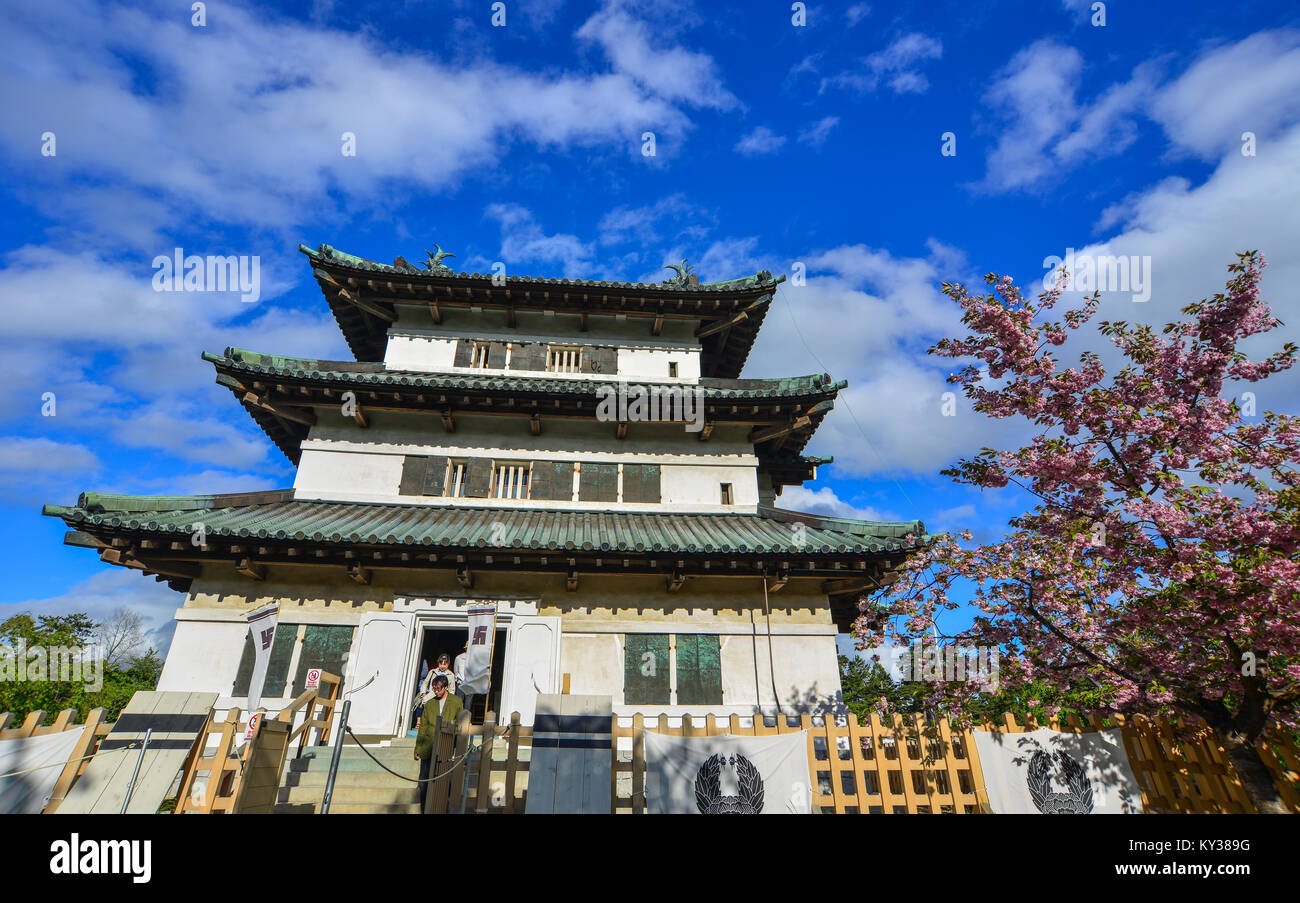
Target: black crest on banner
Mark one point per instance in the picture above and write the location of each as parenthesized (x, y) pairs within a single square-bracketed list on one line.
[(708, 787), (1076, 801)]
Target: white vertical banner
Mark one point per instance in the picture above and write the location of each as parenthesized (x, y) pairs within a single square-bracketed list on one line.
[(478, 655), (1058, 772), (727, 774), (261, 623)]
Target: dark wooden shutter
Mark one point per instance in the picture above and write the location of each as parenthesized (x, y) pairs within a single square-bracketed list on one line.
[(435, 474), (640, 482), (645, 669), (528, 356), (413, 474), (650, 485), (600, 360), (496, 355), (598, 483), (277, 669), (478, 478), (699, 670), (553, 480), (464, 353), (324, 646)]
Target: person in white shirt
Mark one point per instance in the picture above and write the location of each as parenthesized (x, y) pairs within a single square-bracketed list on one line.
[(458, 669), (442, 669)]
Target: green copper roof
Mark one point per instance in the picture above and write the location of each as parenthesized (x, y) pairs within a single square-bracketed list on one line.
[(277, 516), (737, 306), (375, 374), (328, 254)]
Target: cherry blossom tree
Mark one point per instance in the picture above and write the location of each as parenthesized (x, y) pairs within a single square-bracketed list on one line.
[(1159, 560)]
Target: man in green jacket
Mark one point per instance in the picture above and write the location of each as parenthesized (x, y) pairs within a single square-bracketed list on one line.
[(449, 707)]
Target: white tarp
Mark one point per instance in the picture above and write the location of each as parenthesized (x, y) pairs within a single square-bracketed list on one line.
[(261, 624), (1058, 772), (27, 793), (478, 655), (727, 774)]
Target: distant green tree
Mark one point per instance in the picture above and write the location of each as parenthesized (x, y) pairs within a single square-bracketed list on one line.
[(121, 680), (868, 688)]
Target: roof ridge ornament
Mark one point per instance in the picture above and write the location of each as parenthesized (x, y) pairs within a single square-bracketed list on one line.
[(684, 275), (435, 260)]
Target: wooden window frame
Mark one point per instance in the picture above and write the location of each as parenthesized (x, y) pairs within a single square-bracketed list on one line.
[(564, 358), (453, 486), (518, 473), (728, 493)]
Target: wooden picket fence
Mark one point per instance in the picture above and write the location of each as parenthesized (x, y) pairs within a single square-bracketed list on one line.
[(247, 779), (33, 726), (892, 765)]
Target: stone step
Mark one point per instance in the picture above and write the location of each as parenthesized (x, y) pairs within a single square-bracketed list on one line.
[(349, 809), (393, 758), (352, 796), (316, 781)]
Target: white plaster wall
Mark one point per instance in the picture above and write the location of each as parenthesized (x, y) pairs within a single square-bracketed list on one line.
[(696, 484), (805, 666), (420, 352), (432, 353), (376, 477), (652, 363), (322, 474), (204, 656)]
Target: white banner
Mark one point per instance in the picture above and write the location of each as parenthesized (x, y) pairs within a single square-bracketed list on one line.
[(477, 677), (727, 774), (1058, 772), (27, 793), (261, 624)]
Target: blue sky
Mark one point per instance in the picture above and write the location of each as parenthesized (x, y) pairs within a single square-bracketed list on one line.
[(775, 144)]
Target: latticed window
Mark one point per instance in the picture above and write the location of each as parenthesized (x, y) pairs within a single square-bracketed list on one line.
[(479, 357), (454, 486), (510, 481), (564, 359)]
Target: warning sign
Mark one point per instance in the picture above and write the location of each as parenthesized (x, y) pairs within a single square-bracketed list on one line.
[(252, 725), (313, 678)]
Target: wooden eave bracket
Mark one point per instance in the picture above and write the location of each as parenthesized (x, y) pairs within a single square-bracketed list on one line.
[(305, 416), (251, 569)]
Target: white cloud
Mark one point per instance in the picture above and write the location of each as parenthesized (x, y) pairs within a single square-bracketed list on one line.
[(670, 72), (242, 122), (1045, 129), (825, 502), (760, 141), (817, 133), (1253, 85), (640, 223), (896, 65), (856, 13), (523, 241)]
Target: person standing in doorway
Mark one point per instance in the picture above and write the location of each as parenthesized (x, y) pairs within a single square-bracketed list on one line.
[(449, 708), (458, 669)]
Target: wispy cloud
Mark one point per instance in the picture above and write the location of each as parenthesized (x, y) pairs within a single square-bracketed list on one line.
[(761, 140), (897, 66)]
